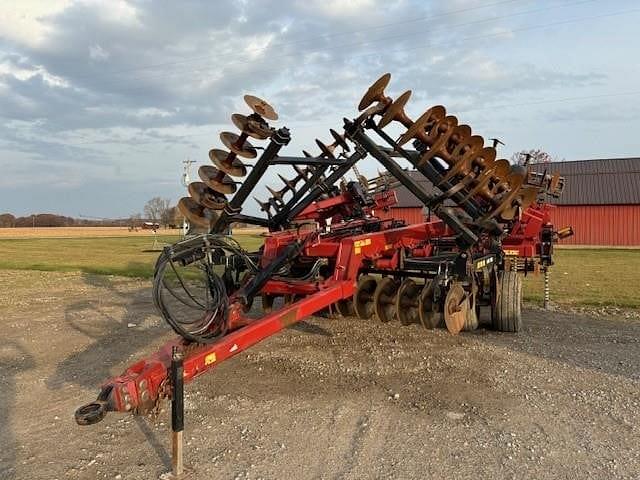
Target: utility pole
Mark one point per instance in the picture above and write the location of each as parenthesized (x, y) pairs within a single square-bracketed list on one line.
[(186, 179)]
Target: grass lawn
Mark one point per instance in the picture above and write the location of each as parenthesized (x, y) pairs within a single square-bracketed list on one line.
[(590, 277), (124, 256), (579, 277)]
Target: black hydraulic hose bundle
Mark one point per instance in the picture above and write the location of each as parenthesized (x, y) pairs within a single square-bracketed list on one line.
[(211, 322)]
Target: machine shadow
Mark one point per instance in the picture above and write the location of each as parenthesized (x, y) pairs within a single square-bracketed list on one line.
[(152, 439), (120, 324), (14, 359), (310, 328), (599, 344)]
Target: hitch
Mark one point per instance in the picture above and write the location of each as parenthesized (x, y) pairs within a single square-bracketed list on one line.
[(94, 412)]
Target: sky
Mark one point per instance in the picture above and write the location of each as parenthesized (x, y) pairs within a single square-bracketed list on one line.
[(101, 101)]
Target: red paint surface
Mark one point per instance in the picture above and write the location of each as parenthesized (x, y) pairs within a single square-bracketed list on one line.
[(614, 225), (606, 225)]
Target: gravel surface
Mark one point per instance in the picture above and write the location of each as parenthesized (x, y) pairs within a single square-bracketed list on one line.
[(324, 399)]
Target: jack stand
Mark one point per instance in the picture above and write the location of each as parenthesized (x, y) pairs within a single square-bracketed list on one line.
[(178, 470), (547, 289)]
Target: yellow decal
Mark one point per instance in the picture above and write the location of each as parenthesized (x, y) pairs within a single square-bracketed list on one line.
[(512, 253), (358, 244), (209, 359), (362, 243)]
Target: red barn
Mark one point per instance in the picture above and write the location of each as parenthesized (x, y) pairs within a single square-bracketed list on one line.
[(601, 201)]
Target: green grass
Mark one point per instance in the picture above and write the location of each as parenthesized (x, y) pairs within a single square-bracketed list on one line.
[(590, 277), (579, 277), (125, 256)]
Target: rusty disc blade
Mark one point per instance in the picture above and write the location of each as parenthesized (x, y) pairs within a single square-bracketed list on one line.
[(456, 305), (206, 197), (507, 201), (417, 128), (501, 169), (339, 140), (461, 133), (375, 91), (251, 126), (217, 180), (526, 196), (529, 195), (396, 109), (195, 213), (230, 141), (233, 166), (439, 138), (326, 150), (261, 107), (463, 156)]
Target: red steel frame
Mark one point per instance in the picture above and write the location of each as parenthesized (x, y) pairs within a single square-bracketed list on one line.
[(143, 383)]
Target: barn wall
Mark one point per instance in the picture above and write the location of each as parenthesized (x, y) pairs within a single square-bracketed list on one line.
[(614, 225), (602, 225)]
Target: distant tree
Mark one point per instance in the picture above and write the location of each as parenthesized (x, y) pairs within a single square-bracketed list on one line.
[(531, 156), (178, 218), (7, 220), (156, 210), (44, 220), (169, 216)]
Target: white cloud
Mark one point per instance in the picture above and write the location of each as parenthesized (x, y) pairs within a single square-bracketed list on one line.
[(27, 73), (25, 21)]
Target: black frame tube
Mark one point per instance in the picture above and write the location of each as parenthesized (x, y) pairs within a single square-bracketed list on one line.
[(177, 390), (278, 140)]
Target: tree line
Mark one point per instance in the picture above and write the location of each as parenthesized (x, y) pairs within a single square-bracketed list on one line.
[(157, 210)]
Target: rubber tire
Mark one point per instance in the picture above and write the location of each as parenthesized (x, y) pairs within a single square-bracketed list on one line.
[(506, 312)]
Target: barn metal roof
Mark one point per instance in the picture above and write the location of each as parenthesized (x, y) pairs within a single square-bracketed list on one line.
[(605, 181), (602, 181)]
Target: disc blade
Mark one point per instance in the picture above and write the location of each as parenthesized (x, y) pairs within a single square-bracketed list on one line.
[(233, 166), (433, 114), (230, 141), (363, 298), (455, 309), (206, 197), (261, 107), (217, 180), (395, 109), (375, 91), (196, 213), (384, 299)]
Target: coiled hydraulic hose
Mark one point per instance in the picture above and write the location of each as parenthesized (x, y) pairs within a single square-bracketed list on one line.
[(206, 316)]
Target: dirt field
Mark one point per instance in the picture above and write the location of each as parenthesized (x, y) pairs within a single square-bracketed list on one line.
[(325, 399), (73, 232), (84, 232)]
